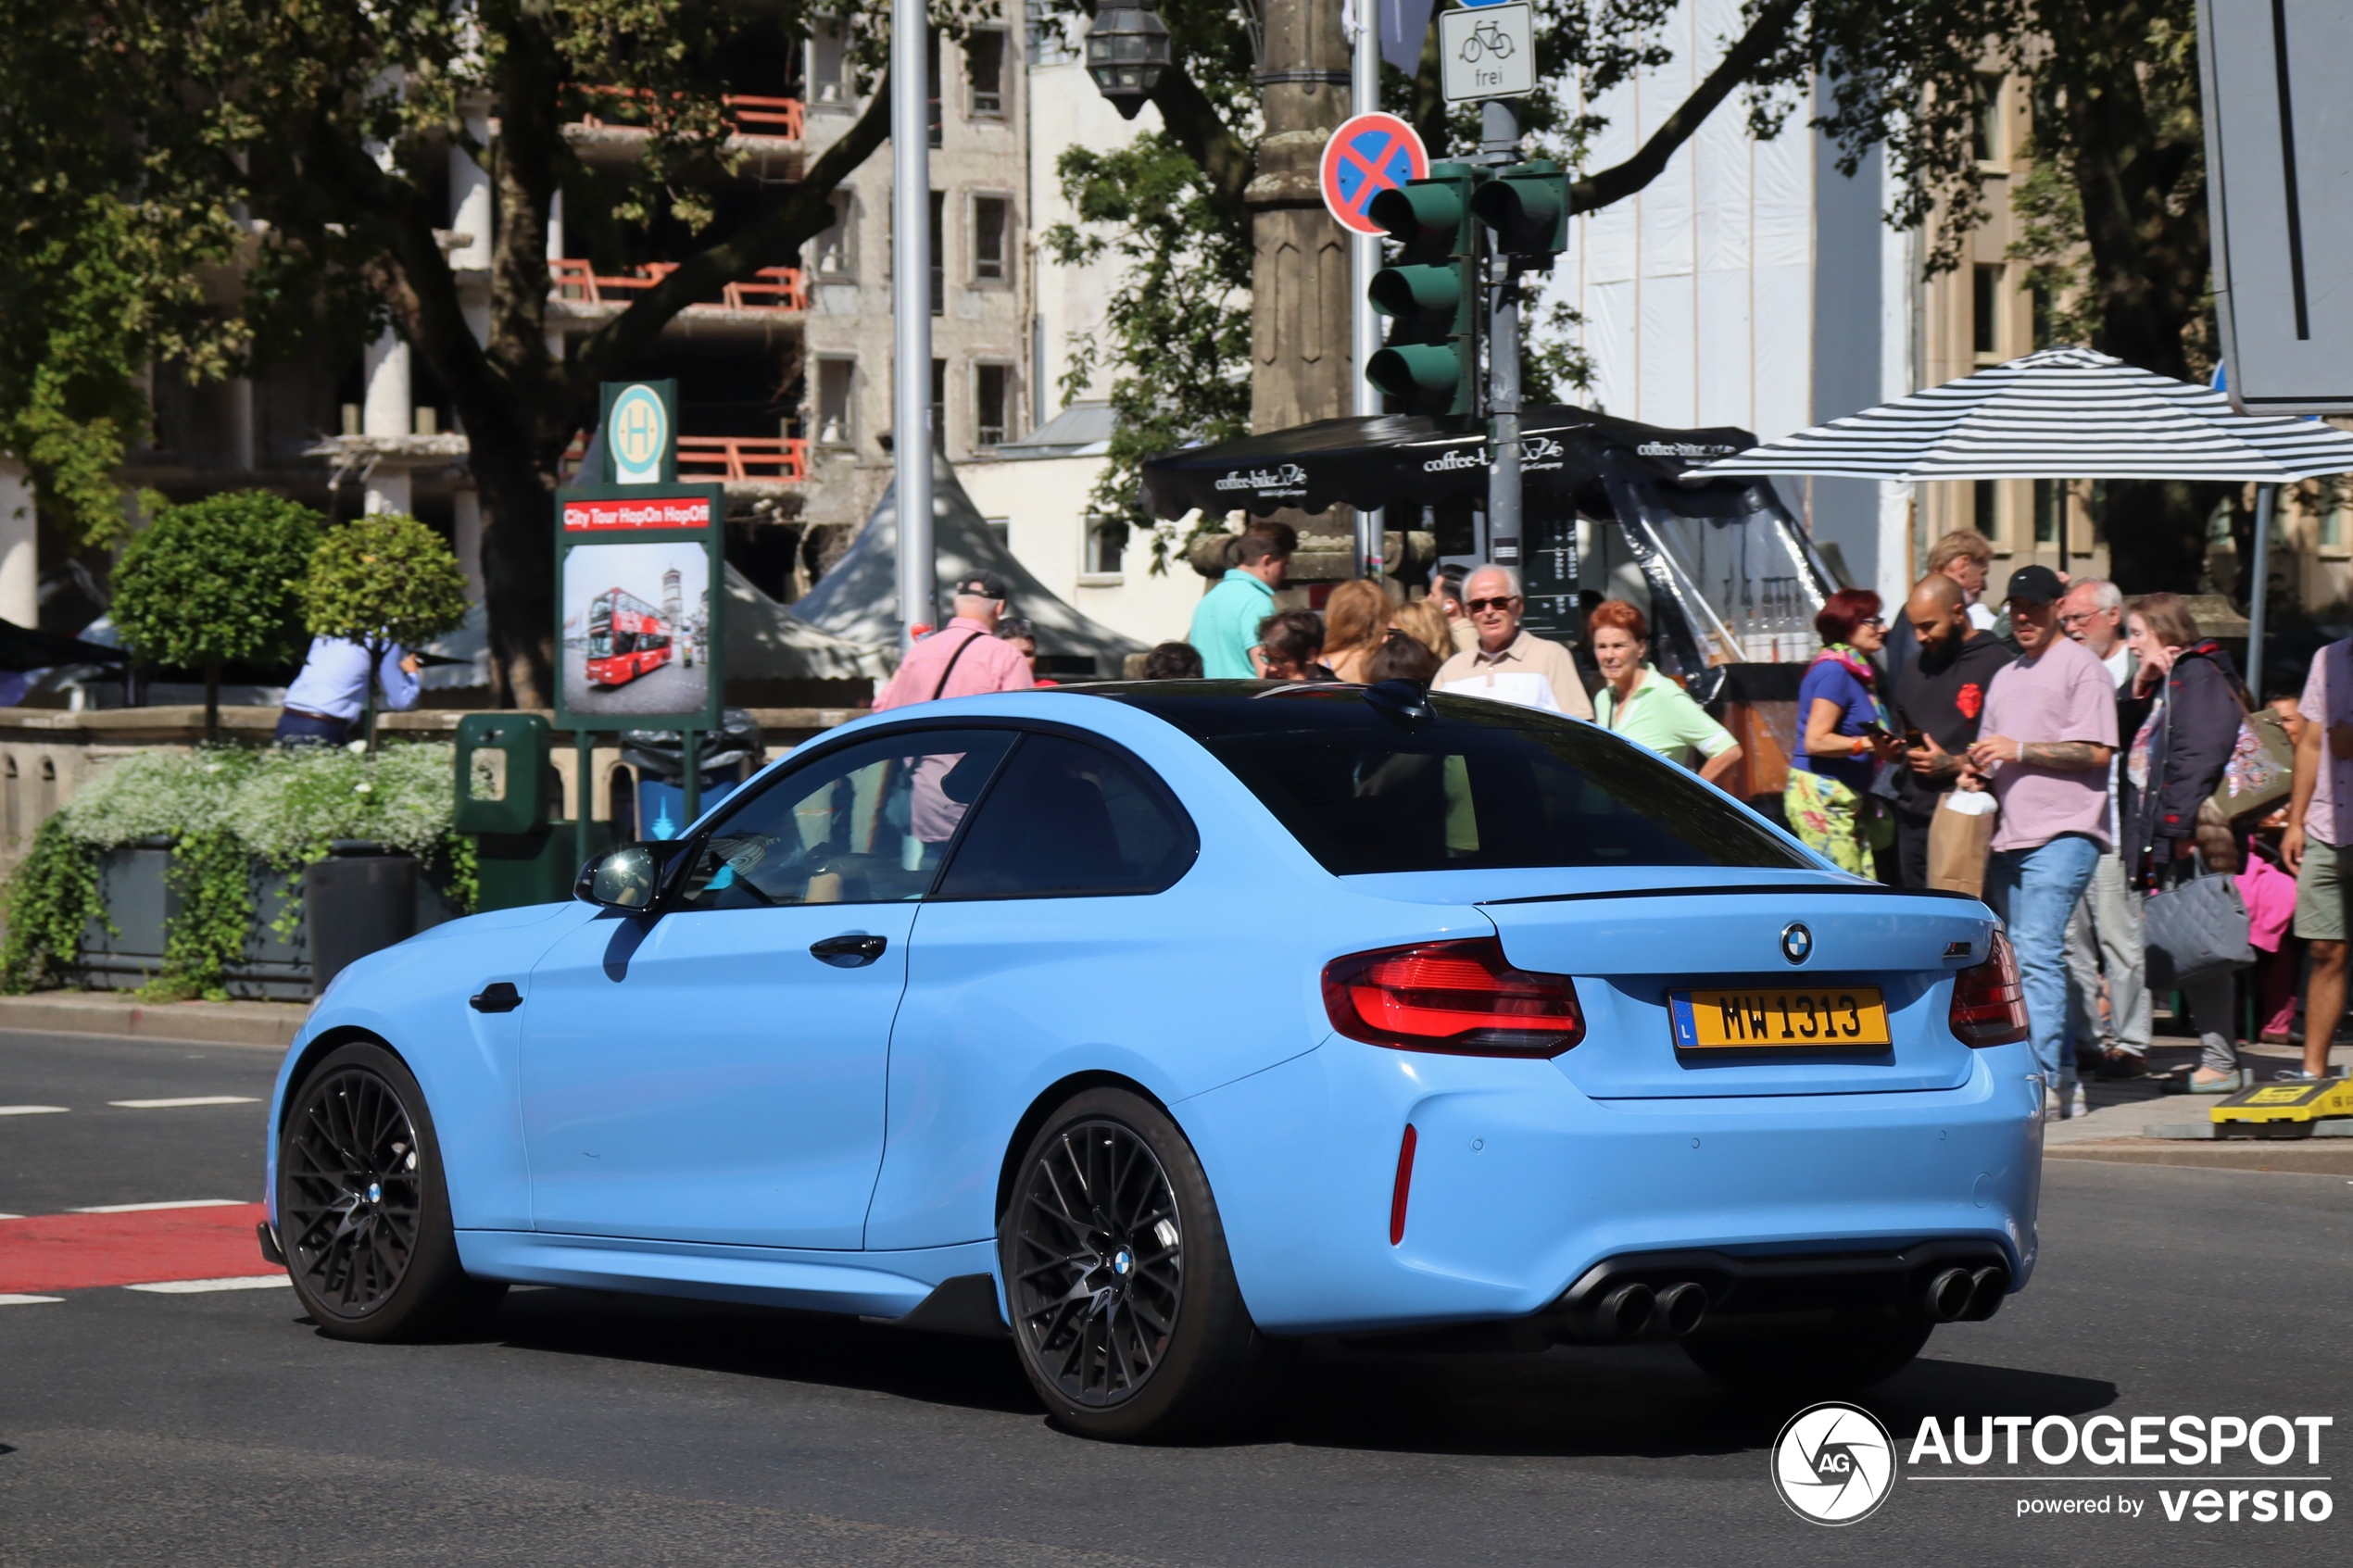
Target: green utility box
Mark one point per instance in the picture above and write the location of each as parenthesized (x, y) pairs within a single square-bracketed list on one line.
[(509, 797)]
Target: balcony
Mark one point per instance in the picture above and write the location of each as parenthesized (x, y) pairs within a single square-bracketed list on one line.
[(767, 129), (579, 298), (746, 465)]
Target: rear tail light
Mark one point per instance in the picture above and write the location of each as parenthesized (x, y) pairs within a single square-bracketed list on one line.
[(1463, 998), (1989, 1004)]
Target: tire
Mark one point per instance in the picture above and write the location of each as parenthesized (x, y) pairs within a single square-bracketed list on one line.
[(1850, 1354), (1125, 1313), (363, 1211)]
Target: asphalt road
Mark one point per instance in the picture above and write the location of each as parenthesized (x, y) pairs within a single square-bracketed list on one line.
[(671, 688), (588, 1429)]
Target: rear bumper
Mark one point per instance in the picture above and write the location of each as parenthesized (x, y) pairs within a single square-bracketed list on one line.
[(1521, 1187)]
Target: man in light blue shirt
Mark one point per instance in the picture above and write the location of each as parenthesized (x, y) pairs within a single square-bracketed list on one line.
[(1225, 622), (327, 698)]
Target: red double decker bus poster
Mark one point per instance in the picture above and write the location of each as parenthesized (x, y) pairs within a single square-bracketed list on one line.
[(640, 585)]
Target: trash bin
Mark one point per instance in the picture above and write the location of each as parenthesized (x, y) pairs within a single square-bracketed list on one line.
[(359, 900), (730, 755), (509, 797)]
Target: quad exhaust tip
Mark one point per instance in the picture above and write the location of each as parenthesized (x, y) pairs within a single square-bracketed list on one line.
[(1634, 1309), (1681, 1306), (1627, 1311)]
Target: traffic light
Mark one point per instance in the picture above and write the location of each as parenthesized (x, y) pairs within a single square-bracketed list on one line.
[(1430, 362), (1526, 206)]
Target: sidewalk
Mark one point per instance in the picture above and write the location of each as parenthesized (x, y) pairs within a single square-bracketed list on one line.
[(2134, 1122), (263, 1025)]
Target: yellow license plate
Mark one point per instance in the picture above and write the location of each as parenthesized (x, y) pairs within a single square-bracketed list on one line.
[(1780, 1018)]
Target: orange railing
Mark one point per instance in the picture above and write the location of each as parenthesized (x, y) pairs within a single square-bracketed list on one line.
[(771, 288), (754, 116), (743, 456)]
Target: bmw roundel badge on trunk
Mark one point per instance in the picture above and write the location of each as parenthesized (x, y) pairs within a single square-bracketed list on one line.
[(1797, 943)]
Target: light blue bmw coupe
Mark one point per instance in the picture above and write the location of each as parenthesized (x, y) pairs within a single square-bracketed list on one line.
[(1155, 1024)]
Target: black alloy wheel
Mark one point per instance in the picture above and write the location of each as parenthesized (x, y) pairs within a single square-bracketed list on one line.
[(363, 1215), (1126, 1312)]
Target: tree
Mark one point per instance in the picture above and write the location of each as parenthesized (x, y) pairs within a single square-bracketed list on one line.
[(310, 144), (216, 583), (384, 581)]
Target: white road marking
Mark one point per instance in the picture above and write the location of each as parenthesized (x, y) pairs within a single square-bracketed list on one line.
[(175, 1203), (198, 1287), (191, 1099), (11, 1216), (27, 1300), (33, 1109)]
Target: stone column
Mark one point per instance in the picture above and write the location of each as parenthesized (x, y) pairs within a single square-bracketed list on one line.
[(387, 415), (19, 552), (1300, 369)]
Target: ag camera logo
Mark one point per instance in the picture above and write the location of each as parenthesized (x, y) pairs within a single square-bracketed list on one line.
[(1833, 1463)]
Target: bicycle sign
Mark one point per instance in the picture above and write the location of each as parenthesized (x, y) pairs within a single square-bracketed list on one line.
[(1488, 51)]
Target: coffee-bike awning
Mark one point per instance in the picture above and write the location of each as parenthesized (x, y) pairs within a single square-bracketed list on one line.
[(1420, 460)]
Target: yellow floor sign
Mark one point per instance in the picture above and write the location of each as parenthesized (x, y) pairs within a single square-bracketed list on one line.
[(2283, 1110)]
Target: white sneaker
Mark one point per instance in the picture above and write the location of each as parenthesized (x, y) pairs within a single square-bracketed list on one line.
[(2080, 1106)]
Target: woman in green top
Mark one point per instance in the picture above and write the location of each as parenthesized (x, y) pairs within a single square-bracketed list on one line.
[(1642, 705)]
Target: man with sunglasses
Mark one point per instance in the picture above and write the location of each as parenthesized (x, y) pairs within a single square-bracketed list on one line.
[(1507, 664)]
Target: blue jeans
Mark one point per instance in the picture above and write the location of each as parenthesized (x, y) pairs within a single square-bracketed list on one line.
[(2036, 892)]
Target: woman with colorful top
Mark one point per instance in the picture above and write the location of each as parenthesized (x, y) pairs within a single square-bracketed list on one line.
[(1645, 706), (1843, 736)]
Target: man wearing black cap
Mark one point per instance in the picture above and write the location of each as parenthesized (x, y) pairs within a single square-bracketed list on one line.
[(2044, 745), (964, 657)]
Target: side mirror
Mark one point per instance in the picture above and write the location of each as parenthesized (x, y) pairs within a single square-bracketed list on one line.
[(621, 879)]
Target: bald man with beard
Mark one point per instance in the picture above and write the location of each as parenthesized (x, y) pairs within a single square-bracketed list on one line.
[(1941, 692)]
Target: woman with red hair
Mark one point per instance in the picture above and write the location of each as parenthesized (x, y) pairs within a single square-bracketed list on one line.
[(1842, 737), (1645, 706)]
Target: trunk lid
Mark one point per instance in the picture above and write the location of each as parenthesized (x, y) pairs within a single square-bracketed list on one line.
[(1629, 950)]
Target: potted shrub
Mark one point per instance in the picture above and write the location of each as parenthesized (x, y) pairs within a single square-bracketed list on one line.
[(381, 582)]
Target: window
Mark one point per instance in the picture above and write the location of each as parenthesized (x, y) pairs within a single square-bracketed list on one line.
[(938, 254), (1985, 313), (931, 75), (1482, 785), (837, 383), (2331, 531), (1069, 820), (1989, 142), (992, 403), (868, 824), (2050, 513), (939, 405), (2039, 313), (1049, 42), (1106, 547), (991, 219), (984, 72), (1988, 521), (831, 254)]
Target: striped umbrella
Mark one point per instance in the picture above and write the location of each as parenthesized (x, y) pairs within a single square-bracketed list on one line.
[(2062, 413)]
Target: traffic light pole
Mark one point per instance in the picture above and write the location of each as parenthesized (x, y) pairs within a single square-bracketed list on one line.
[(1363, 322), (1499, 137)]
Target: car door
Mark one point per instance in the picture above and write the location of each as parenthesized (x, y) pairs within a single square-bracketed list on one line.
[(714, 1070)]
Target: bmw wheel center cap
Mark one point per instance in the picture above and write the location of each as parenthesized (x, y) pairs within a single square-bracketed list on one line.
[(1797, 943)]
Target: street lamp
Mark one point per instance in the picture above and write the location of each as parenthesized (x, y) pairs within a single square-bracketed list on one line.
[(1127, 52)]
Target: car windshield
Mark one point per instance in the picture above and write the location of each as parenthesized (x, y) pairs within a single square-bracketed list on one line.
[(1480, 785)]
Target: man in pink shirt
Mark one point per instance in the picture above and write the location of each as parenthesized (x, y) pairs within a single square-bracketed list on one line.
[(2045, 741), (2317, 845), (964, 657)]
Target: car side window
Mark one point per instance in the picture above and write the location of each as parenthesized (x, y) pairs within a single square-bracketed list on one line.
[(866, 824), (1065, 820)]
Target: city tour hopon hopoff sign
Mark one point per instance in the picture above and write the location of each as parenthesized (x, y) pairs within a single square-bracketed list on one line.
[(640, 576)]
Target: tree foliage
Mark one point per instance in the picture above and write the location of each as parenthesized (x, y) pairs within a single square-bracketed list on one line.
[(384, 581), (216, 583), (162, 140)]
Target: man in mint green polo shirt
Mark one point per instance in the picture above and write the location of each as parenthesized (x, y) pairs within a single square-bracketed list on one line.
[(1225, 622)]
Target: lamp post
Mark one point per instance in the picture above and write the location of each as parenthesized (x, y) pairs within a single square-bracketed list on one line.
[(1128, 54), (911, 310)]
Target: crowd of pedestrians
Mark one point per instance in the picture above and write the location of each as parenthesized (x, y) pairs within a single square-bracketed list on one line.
[(2065, 759)]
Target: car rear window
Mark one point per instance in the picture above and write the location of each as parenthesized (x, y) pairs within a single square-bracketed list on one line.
[(1479, 784)]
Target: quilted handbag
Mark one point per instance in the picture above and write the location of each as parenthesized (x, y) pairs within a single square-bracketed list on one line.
[(2196, 930), (2261, 771)]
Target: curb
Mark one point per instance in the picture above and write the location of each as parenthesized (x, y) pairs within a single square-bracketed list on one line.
[(260, 1025), (2333, 1157)]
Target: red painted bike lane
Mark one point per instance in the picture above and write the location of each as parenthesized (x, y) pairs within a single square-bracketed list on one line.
[(85, 1251)]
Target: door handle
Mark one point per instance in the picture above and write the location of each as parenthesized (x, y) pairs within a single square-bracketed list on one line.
[(500, 996), (848, 952)]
